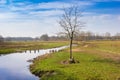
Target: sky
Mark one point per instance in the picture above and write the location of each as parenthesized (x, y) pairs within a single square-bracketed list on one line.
[(32, 18)]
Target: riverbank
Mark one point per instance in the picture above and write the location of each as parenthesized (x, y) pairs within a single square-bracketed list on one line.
[(10, 47), (98, 60)]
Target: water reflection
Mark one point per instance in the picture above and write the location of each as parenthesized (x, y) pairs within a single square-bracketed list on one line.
[(15, 66)]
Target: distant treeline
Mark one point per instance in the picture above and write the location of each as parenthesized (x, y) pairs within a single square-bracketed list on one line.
[(86, 36), (18, 39), (44, 37), (2, 39), (80, 36)]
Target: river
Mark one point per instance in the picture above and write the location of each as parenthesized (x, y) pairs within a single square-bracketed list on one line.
[(15, 66)]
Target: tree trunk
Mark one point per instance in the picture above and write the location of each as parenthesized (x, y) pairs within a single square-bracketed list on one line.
[(71, 60), (71, 40)]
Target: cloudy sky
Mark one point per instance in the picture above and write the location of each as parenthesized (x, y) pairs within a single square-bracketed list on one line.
[(36, 17)]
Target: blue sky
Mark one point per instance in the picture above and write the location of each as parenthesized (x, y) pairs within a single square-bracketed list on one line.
[(36, 17)]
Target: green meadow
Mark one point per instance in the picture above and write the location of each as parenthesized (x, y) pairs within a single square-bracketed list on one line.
[(97, 60)]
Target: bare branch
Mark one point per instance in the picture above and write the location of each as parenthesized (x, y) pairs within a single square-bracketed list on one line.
[(70, 22)]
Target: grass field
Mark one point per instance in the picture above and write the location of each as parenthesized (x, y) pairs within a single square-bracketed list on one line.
[(9, 47), (98, 60)]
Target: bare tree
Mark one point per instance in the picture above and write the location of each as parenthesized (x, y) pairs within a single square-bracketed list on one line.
[(71, 23)]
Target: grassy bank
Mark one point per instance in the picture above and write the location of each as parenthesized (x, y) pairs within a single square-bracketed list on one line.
[(9, 47), (98, 60)]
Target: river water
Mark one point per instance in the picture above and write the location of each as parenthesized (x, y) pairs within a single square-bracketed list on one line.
[(15, 66)]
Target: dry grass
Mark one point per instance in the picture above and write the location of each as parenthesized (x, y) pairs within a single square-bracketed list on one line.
[(105, 49)]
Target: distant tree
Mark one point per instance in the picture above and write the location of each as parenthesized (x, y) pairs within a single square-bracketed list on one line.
[(98, 36), (117, 36), (37, 38), (1, 39), (88, 35), (107, 35), (44, 37), (71, 23), (82, 36)]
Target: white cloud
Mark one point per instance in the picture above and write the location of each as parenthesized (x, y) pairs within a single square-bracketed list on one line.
[(49, 5), (30, 9), (119, 17), (3, 1), (7, 15), (57, 5), (102, 23), (28, 27), (53, 5), (37, 21), (47, 13)]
